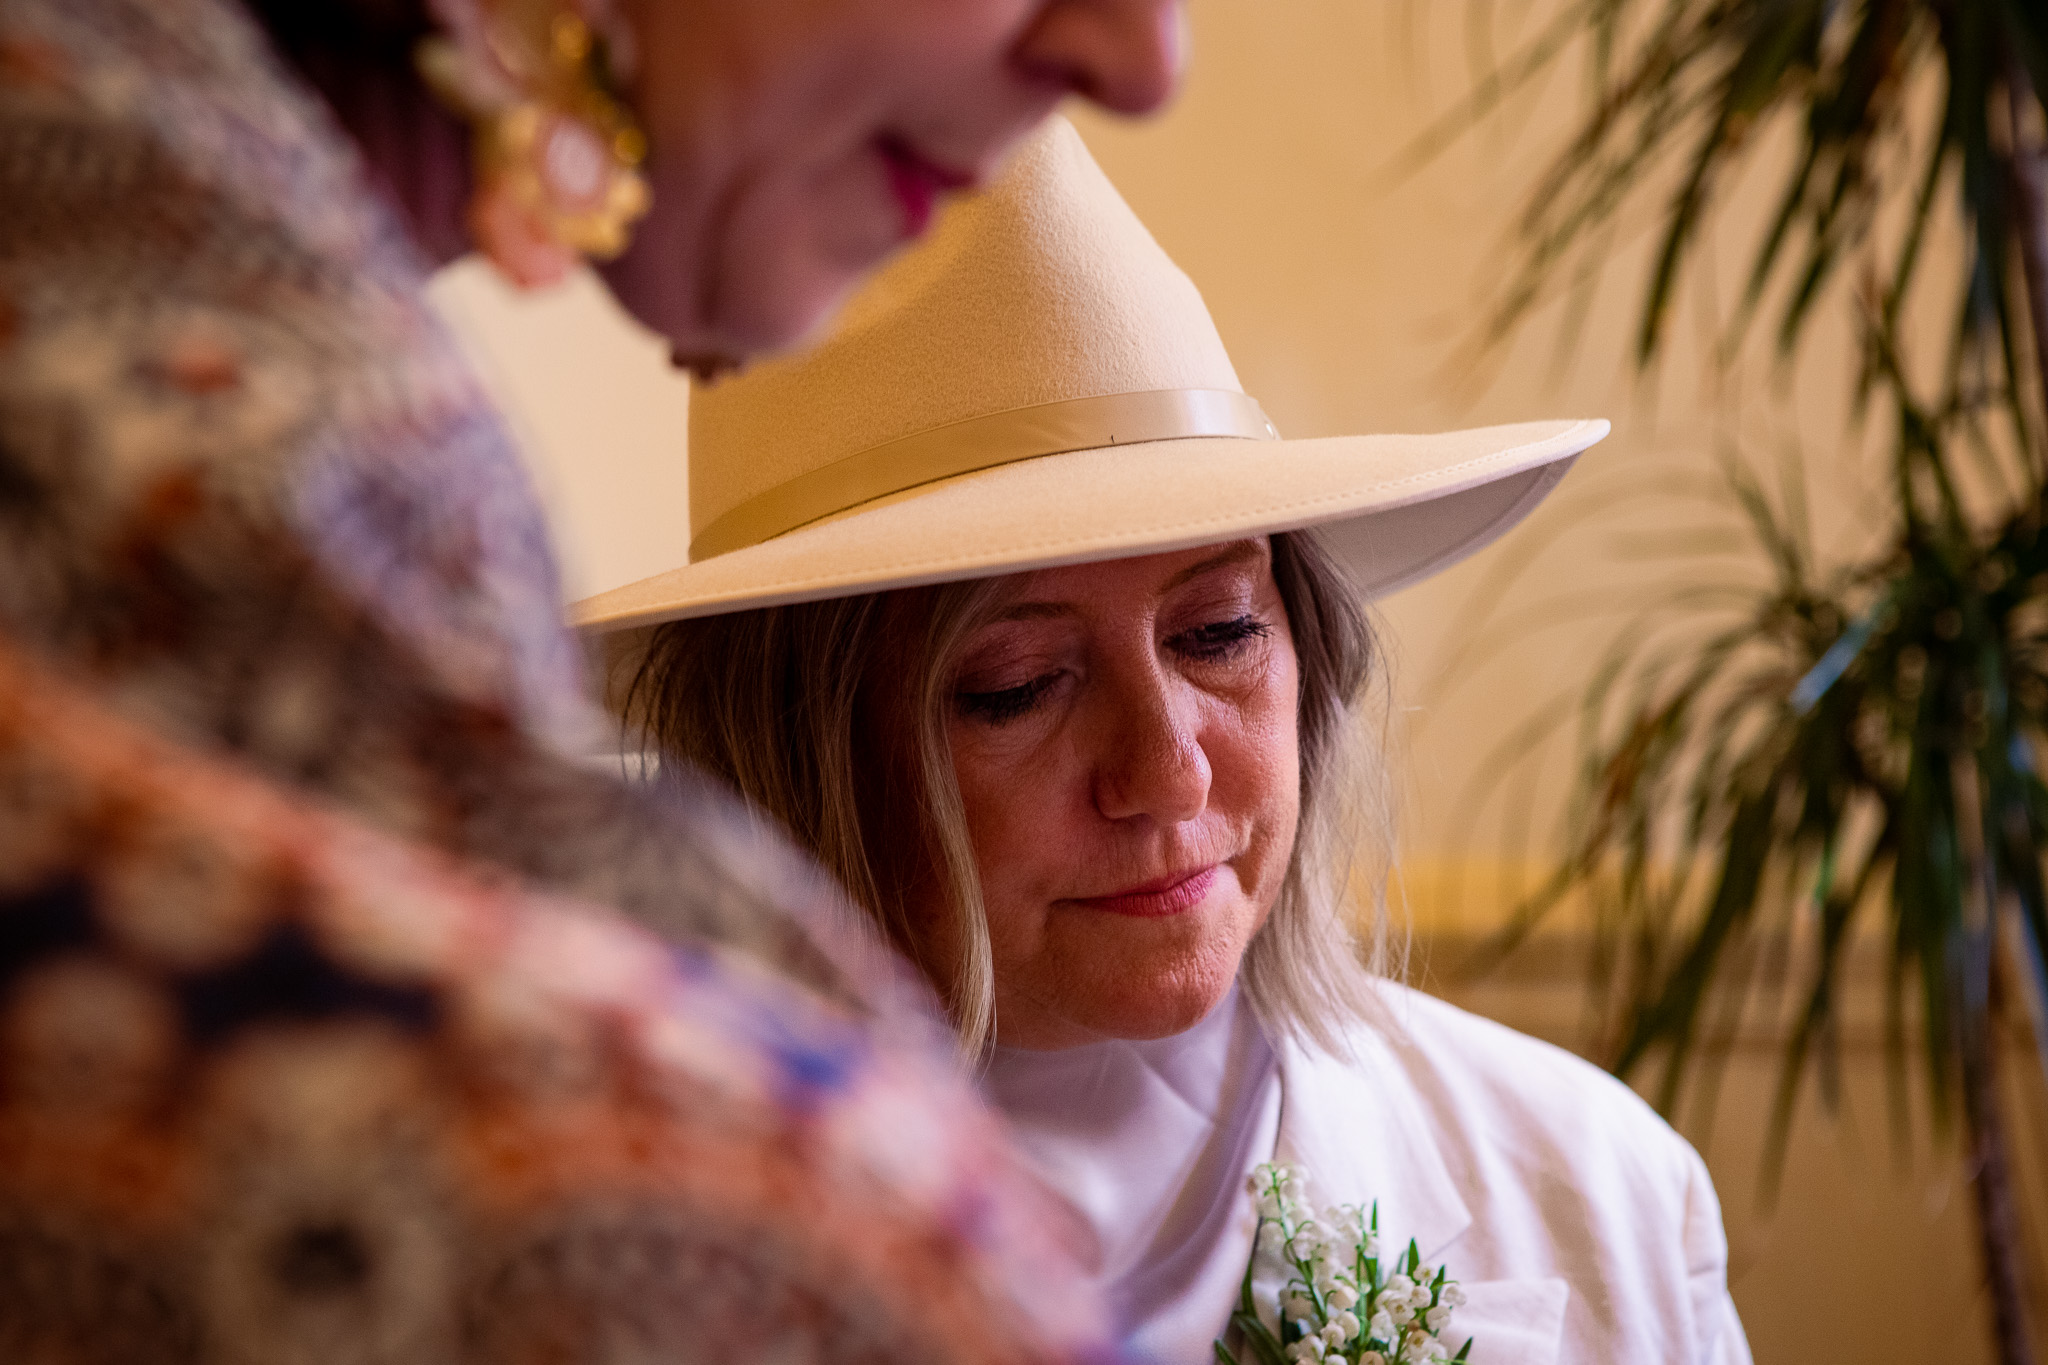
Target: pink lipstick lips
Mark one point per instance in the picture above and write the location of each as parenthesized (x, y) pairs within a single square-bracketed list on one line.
[(1158, 899), (917, 182)]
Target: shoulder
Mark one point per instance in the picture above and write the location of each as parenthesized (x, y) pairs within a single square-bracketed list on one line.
[(1562, 1172), (1520, 1124), (1487, 1086)]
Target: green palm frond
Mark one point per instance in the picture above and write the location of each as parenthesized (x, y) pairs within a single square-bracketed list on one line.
[(1857, 755), (1690, 86)]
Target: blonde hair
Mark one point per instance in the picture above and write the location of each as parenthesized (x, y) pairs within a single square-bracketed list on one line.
[(797, 708)]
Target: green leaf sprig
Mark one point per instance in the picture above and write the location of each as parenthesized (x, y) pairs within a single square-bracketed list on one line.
[(1341, 1302)]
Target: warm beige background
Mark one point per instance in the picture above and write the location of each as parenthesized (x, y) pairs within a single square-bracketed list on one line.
[(1349, 299)]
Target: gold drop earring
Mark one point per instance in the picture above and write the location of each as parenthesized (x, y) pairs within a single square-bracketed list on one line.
[(557, 152)]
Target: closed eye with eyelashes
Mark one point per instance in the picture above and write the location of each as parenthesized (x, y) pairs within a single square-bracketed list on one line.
[(1213, 643)]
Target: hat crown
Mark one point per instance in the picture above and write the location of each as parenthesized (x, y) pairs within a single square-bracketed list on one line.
[(1045, 288)]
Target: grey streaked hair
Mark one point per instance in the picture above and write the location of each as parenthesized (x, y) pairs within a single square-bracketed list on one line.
[(793, 706)]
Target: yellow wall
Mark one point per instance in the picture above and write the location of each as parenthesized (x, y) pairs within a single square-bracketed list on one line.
[(1349, 299)]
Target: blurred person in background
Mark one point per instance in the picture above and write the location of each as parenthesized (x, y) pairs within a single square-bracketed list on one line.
[(1014, 608), (315, 1043)]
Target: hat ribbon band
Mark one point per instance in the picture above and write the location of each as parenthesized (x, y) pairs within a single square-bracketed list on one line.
[(982, 443)]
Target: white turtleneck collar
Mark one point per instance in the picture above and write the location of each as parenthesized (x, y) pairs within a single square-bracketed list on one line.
[(1150, 1143)]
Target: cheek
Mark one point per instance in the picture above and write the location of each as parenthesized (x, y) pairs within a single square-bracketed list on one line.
[(1257, 767), (1019, 800), (776, 180), (768, 194), (1010, 827)]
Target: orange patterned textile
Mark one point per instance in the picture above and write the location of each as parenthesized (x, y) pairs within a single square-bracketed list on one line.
[(249, 488), (322, 1038), (276, 1088)]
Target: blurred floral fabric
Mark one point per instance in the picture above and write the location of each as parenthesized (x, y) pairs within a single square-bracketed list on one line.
[(275, 1088), (314, 1045), (249, 490)]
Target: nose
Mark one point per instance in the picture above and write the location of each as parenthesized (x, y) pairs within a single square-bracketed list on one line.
[(1152, 764), (1125, 55)]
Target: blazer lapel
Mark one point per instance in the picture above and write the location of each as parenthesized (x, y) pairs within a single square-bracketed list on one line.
[(1361, 1132)]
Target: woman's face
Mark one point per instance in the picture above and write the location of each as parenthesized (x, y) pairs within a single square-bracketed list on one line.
[(798, 142), (1124, 738)]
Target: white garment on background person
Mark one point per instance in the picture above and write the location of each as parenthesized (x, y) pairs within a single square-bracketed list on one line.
[(1582, 1228), (1150, 1143)]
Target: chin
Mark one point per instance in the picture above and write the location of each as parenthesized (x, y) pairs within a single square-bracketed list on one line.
[(775, 282), (1145, 978), (783, 319), (783, 275), (1162, 1008)]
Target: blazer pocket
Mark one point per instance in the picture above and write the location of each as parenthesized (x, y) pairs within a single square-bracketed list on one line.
[(1511, 1322)]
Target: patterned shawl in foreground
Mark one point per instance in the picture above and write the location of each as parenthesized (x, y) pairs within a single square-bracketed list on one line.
[(314, 1045)]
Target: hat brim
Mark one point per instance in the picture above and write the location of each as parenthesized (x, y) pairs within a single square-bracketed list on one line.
[(1395, 508)]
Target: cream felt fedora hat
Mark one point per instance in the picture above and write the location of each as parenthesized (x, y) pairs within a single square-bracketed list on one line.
[(1037, 385)]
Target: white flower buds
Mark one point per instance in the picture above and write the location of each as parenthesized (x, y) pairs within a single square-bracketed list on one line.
[(1339, 1305)]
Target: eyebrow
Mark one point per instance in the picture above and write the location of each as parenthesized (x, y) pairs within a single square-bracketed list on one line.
[(1235, 553)]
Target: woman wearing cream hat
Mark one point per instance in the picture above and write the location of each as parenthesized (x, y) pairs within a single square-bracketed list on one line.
[(1014, 608)]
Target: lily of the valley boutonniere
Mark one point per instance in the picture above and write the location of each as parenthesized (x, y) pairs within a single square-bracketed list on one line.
[(1341, 1304)]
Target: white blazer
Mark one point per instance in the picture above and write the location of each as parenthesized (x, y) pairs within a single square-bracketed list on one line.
[(1582, 1228)]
